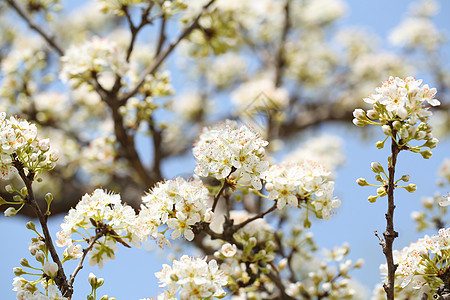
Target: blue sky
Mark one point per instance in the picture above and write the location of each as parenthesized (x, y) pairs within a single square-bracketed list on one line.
[(131, 275)]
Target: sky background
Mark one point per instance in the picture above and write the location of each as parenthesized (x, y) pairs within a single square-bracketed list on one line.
[(131, 275)]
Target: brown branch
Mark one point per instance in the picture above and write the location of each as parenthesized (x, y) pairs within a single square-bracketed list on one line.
[(60, 279), (35, 27), (162, 35), (159, 59), (128, 145), (390, 234), (135, 29), (258, 216), (280, 57), (219, 193), (85, 252)]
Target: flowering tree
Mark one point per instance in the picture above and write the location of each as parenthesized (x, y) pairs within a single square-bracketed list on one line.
[(79, 94)]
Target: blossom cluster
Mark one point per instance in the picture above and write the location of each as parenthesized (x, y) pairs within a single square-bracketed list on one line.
[(424, 263), (305, 181), (94, 57), (231, 151), (19, 140), (399, 105), (194, 278), (177, 203), (399, 99), (93, 211)]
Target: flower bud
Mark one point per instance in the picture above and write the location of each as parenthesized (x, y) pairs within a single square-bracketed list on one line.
[(359, 263), (104, 297), (24, 262), (24, 192), (420, 135), (361, 182), (282, 264), (431, 143), (17, 198), (359, 113), (379, 144), (397, 125), (379, 178), (40, 256), (386, 129), (411, 187), (9, 188), (10, 212), (48, 198), (51, 269), (359, 122), (381, 191), (426, 154), (376, 167), (405, 178), (30, 225), (252, 241), (2, 201), (209, 215), (18, 271), (372, 199), (372, 114), (269, 186)]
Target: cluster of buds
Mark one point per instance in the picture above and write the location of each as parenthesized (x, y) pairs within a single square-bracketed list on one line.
[(47, 271), (399, 108), (383, 179)]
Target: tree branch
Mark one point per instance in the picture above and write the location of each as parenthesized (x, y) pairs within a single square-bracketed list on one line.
[(390, 234), (35, 27), (60, 279)]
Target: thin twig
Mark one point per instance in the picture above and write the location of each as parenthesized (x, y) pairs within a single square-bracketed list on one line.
[(36, 27), (162, 55), (258, 216), (85, 252), (219, 193)]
